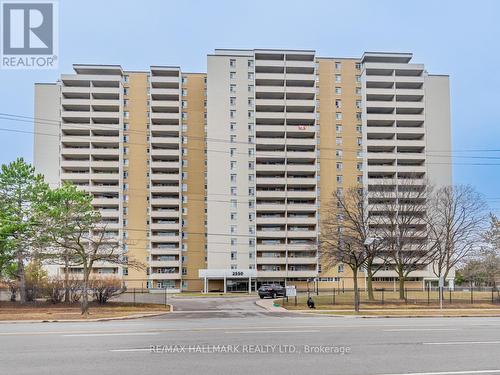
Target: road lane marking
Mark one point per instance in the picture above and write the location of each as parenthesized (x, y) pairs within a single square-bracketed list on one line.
[(112, 334), (267, 331), (419, 329), (197, 329), (461, 343), (131, 350), (451, 372)]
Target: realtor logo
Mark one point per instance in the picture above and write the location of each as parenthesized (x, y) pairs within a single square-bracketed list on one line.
[(29, 35)]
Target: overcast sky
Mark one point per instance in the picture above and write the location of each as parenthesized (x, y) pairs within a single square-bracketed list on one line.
[(459, 38)]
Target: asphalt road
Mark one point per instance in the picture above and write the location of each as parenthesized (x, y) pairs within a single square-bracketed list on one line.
[(233, 336)]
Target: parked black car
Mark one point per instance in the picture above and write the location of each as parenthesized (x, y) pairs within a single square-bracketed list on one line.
[(272, 291)]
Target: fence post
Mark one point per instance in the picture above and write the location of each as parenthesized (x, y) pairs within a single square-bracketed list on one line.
[(472, 295), (134, 296), (296, 300), (383, 295), (428, 294), (450, 294), (406, 296), (492, 296), (333, 299), (165, 297)]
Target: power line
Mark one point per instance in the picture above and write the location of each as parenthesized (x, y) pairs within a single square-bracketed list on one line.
[(96, 127), (256, 155)]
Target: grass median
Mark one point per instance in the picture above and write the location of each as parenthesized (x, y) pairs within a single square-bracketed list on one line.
[(10, 311)]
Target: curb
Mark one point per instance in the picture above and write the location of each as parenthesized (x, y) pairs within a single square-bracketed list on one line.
[(269, 306), (126, 317)]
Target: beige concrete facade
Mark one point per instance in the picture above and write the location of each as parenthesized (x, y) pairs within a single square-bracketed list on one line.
[(135, 181), (194, 170)]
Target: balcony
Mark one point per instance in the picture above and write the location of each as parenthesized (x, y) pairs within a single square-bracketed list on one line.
[(164, 276), (271, 260)]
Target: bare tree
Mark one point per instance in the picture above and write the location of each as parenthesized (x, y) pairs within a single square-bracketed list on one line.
[(343, 234), (402, 208), (455, 221), (77, 238)]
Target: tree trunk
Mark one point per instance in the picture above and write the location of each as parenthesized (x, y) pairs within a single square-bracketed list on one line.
[(401, 287), (66, 279), (85, 296), (356, 291), (22, 279), (369, 281)]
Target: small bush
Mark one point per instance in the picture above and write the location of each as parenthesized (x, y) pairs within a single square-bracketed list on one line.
[(105, 287), (55, 289)]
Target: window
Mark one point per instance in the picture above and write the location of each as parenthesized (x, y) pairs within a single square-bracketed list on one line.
[(250, 63), (232, 126), (358, 66), (233, 165), (233, 178), (234, 203), (232, 138), (358, 90), (232, 113), (358, 79), (184, 115), (184, 104), (358, 128), (250, 102), (338, 90), (358, 116), (360, 166), (233, 191), (338, 128), (125, 78), (232, 152), (338, 103), (338, 140), (232, 75), (250, 88), (338, 78), (184, 79), (250, 114), (125, 102), (358, 103), (338, 153), (339, 179), (338, 66), (338, 116), (360, 179), (234, 255), (184, 92), (250, 75), (339, 166), (360, 141), (126, 114), (233, 216), (232, 100), (232, 88), (125, 91), (340, 268), (232, 63)]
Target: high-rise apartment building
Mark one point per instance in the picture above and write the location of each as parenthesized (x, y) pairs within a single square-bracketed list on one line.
[(218, 181)]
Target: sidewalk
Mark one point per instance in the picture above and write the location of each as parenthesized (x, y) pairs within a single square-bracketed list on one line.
[(268, 304)]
